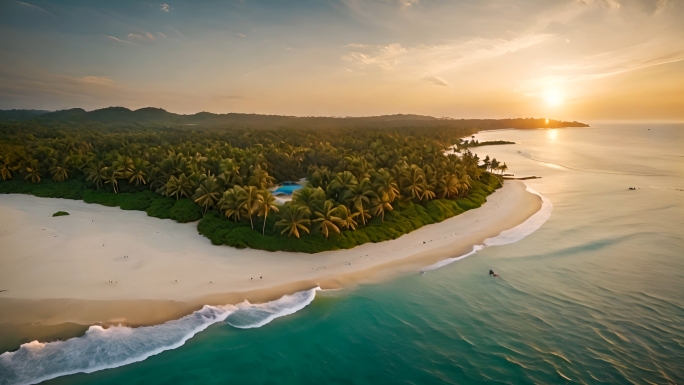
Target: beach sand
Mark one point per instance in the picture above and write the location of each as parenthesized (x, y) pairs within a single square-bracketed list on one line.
[(103, 265)]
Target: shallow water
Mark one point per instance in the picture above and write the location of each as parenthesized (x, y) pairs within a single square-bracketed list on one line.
[(596, 295)]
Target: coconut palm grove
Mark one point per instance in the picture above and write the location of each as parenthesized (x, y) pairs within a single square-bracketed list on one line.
[(365, 180)]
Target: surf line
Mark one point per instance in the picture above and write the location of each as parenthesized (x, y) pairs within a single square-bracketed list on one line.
[(117, 346), (506, 237)]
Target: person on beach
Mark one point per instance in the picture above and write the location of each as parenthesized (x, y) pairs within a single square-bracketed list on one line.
[(492, 273)]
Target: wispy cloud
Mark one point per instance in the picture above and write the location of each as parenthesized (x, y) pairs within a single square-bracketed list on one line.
[(95, 80), (164, 7), (612, 4), (119, 40), (434, 59), (436, 80), (241, 35), (142, 36), (34, 7)]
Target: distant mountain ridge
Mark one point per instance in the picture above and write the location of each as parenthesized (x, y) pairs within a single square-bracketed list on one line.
[(15, 115), (157, 117)]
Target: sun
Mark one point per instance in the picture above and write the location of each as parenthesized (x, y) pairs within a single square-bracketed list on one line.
[(553, 98)]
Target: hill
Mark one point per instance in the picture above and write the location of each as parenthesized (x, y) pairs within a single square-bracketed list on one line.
[(157, 117)]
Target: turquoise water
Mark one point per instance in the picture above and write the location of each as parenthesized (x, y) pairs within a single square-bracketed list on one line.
[(288, 189), (596, 295)]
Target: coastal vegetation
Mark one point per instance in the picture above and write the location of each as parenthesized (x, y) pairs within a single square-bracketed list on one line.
[(477, 143), (362, 184)]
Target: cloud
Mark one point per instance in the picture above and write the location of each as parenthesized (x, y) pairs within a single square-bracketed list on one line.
[(95, 80), (435, 59), (165, 7), (403, 3), (34, 7), (119, 40), (383, 56), (436, 81), (241, 35), (143, 36), (612, 4)]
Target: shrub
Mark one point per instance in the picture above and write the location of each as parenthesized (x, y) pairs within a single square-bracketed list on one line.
[(185, 210)]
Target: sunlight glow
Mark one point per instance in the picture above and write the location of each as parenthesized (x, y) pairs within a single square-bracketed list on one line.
[(553, 98), (552, 135)]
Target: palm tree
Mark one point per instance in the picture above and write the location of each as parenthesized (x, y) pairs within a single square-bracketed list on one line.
[(208, 193), (181, 186), (248, 202), (60, 171), (448, 187), (137, 173), (466, 182), (260, 179), (413, 179), (342, 183), (123, 165), (228, 204), (503, 168), (320, 177), (385, 185), (97, 173), (295, 218), (266, 204), (347, 218), (33, 171), (327, 220), (312, 198), (111, 177), (5, 168), (380, 205), (359, 198), (428, 193)]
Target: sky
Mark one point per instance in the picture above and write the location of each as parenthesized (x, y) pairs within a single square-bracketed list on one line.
[(584, 60)]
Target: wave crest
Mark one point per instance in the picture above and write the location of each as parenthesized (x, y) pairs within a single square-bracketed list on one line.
[(116, 346)]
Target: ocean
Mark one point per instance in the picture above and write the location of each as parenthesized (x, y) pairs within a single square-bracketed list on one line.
[(592, 292)]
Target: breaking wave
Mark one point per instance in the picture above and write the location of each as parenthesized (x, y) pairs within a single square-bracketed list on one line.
[(116, 346)]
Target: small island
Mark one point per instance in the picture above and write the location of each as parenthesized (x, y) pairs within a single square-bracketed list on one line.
[(60, 214)]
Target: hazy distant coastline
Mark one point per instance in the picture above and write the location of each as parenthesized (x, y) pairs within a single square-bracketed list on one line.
[(157, 117)]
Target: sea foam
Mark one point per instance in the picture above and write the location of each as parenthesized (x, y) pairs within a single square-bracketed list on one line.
[(509, 236), (116, 346)]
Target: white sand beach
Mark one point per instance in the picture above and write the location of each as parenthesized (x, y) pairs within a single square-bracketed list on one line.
[(106, 265)]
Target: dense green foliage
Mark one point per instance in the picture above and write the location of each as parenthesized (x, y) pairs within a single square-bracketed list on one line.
[(363, 185), (60, 214), (406, 218)]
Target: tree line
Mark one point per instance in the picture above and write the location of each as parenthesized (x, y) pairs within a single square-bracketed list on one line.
[(354, 176)]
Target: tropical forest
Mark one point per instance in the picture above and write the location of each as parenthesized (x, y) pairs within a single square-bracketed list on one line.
[(361, 182)]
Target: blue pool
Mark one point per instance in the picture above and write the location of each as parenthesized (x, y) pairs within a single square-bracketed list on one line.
[(288, 189)]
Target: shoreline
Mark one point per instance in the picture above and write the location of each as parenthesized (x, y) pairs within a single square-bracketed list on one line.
[(57, 278)]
